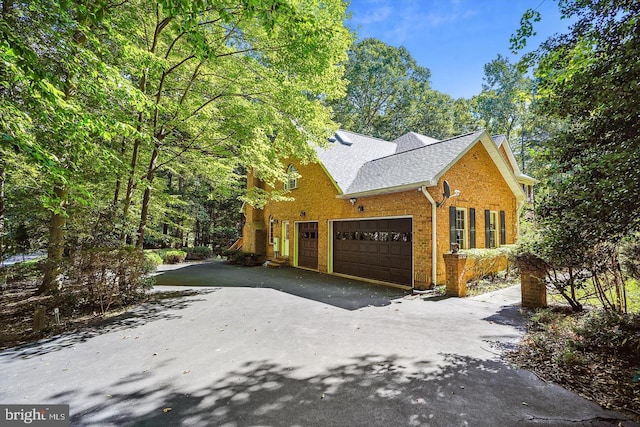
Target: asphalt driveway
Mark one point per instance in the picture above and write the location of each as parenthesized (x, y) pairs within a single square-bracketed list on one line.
[(255, 346)]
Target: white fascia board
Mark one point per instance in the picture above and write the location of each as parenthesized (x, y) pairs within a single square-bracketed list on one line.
[(511, 157), (389, 190), (526, 179), (498, 160), (335, 183), (504, 168)]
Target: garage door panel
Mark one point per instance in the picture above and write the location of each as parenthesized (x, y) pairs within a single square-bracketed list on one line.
[(376, 249), (399, 275), (308, 245)]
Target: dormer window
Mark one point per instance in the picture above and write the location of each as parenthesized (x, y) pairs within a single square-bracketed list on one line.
[(292, 178)]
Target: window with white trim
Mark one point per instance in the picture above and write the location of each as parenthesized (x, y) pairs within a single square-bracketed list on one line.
[(461, 228), (493, 229), (272, 226), (292, 178)]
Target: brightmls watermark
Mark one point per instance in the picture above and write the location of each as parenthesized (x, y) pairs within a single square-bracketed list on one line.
[(34, 415)]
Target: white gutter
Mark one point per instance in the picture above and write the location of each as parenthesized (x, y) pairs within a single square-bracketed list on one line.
[(387, 190), (434, 234)]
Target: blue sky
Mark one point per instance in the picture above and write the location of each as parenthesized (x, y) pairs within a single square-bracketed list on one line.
[(453, 38)]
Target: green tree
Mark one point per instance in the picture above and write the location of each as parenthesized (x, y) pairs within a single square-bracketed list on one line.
[(97, 99), (434, 114), (464, 121), (589, 77), (388, 94), (61, 87), (587, 80), (505, 98), (382, 81), (234, 82)]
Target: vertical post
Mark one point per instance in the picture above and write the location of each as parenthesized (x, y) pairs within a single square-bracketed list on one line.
[(456, 285), (39, 320), (532, 285)]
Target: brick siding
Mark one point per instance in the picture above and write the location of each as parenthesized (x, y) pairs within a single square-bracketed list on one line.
[(475, 175)]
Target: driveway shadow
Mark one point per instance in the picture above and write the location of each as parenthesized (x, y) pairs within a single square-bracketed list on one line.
[(369, 390), (336, 291), (161, 305)]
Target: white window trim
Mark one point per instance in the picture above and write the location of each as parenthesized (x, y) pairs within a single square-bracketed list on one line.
[(292, 178), (465, 231), (272, 228), (496, 238)]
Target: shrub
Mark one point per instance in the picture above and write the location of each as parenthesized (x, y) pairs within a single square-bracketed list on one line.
[(486, 263), (22, 270), (630, 256), (237, 257), (198, 253), (108, 277), (153, 260), (609, 332), (174, 256)]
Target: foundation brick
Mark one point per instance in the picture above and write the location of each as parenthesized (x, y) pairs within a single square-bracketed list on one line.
[(456, 285)]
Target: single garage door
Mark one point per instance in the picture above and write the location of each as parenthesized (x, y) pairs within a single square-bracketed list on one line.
[(308, 245), (376, 249)]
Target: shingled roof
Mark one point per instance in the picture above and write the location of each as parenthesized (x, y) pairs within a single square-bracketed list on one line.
[(418, 166), (348, 152), (500, 140), (412, 140), (362, 165)]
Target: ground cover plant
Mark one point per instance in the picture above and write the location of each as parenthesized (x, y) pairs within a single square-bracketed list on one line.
[(595, 353)]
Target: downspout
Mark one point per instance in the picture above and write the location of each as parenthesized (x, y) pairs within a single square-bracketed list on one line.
[(434, 235)]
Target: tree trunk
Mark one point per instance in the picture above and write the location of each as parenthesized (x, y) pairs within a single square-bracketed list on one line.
[(130, 184), (134, 160), (2, 209), (7, 5), (55, 249), (165, 226), (181, 220), (116, 193), (144, 212)]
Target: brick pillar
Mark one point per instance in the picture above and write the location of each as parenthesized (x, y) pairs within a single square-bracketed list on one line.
[(39, 319), (456, 285), (532, 285)]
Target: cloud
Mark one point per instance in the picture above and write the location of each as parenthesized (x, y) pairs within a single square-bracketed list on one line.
[(402, 18), (373, 16)]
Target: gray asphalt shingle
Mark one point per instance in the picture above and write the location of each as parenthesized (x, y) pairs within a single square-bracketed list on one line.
[(412, 140), (499, 139), (344, 161), (414, 166), (360, 163)]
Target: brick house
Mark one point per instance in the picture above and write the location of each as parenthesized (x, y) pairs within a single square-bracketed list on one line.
[(375, 209)]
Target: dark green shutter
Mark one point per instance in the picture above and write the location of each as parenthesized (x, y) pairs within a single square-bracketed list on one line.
[(472, 228), (503, 228), (487, 228), (452, 224)]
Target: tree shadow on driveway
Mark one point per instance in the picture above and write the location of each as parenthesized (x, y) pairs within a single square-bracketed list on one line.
[(369, 390), (161, 305), (333, 290)]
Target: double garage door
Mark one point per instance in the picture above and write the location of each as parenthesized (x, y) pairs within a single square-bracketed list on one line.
[(375, 249)]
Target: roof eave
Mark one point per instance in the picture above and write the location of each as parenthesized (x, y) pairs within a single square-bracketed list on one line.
[(527, 179), (331, 178), (485, 139), (388, 190)]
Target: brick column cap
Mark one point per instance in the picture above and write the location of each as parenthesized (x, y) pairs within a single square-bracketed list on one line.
[(454, 256)]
